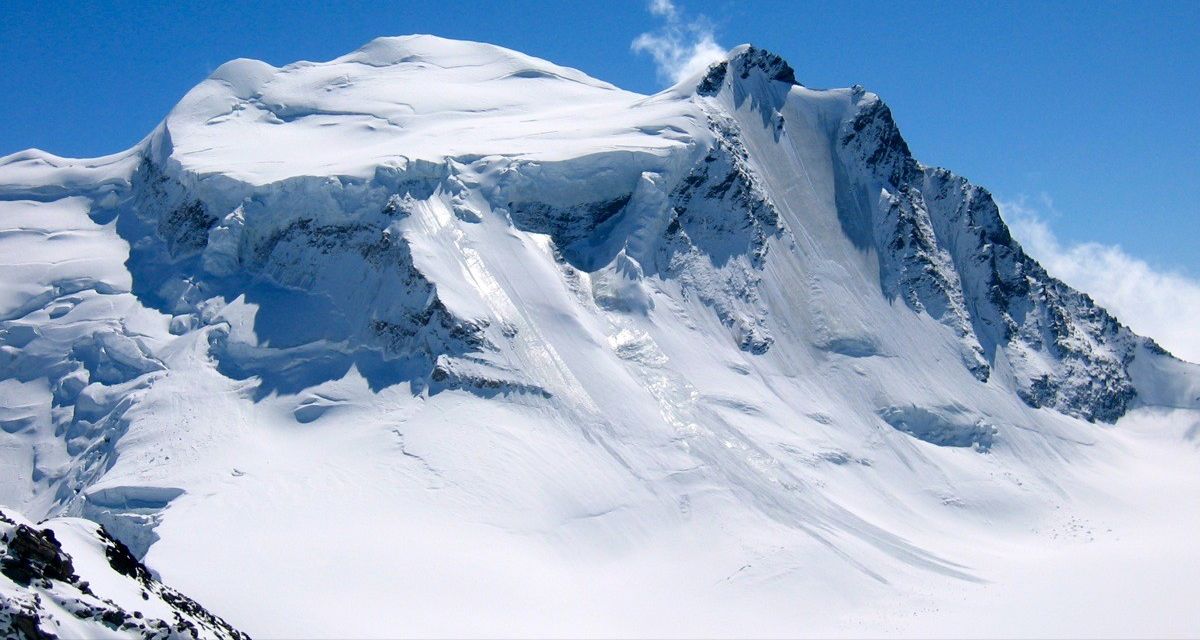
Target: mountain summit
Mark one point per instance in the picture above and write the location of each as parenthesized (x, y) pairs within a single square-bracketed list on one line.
[(342, 348)]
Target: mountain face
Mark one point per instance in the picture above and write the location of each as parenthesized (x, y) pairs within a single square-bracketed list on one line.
[(442, 324)]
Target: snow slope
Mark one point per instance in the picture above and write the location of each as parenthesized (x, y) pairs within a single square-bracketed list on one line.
[(350, 348)]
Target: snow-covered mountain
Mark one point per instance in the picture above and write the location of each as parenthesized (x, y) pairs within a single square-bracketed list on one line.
[(354, 347)]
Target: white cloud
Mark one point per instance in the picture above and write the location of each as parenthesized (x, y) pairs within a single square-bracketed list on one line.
[(1163, 305), (682, 46), (663, 8)]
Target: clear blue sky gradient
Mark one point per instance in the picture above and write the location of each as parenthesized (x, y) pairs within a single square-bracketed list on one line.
[(1091, 104)]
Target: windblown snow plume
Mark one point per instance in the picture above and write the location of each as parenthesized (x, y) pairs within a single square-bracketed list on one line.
[(682, 46), (347, 348)]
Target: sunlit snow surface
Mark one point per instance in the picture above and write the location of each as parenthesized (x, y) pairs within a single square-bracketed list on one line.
[(440, 339)]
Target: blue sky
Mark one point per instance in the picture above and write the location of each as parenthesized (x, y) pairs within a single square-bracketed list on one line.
[(1082, 112)]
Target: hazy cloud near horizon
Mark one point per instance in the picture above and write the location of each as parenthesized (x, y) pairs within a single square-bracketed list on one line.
[(1161, 304), (682, 45)]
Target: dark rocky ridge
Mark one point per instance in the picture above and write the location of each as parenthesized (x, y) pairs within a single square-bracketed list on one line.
[(34, 559)]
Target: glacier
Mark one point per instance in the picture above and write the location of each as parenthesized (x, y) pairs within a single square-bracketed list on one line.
[(352, 348)]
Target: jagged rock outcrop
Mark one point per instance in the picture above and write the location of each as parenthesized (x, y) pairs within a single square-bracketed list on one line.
[(43, 596)]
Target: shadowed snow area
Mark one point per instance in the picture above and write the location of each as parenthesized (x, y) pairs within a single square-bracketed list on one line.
[(349, 348)]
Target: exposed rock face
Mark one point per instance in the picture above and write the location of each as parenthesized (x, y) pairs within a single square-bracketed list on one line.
[(944, 250), (35, 555), (1015, 304), (42, 597), (716, 241)]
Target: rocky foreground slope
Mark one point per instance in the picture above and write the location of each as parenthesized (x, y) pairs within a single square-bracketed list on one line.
[(439, 325), (68, 578)]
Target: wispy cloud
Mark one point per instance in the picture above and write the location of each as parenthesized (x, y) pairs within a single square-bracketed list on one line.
[(682, 45), (1163, 305)]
